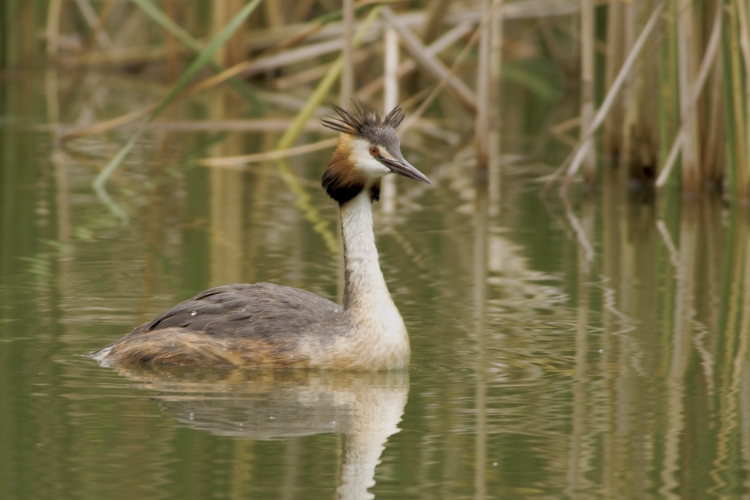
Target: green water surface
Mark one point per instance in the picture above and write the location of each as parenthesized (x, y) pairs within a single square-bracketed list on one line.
[(594, 350)]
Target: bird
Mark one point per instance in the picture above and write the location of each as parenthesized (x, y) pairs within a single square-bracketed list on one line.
[(265, 325)]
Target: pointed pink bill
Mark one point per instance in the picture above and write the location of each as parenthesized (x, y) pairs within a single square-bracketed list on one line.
[(403, 167)]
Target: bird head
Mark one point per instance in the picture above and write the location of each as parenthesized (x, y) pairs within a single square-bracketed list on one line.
[(368, 149)]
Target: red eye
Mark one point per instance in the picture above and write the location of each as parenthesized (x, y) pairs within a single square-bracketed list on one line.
[(374, 151)]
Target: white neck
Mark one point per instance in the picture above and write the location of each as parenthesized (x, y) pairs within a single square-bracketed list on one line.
[(364, 279), (366, 297)]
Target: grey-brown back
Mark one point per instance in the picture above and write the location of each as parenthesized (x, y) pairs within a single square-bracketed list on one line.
[(259, 311)]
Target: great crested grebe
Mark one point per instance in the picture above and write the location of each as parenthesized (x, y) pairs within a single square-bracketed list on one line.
[(267, 325)]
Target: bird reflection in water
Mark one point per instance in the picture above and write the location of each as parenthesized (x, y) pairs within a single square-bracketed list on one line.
[(365, 408)]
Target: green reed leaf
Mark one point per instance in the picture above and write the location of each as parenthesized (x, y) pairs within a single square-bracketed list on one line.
[(324, 86), (166, 22), (204, 57)]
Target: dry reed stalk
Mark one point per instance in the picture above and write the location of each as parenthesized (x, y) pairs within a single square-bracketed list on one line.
[(390, 101), (257, 65), (436, 12), (109, 124), (640, 104), (712, 152), (197, 65), (496, 44), (436, 47), (558, 131), (557, 51), (292, 56), (745, 46), (430, 62), (302, 181), (496, 59), (324, 86), (414, 98), (329, 27), (709, 58), (219, 14), (416, 114), (167, 23), (274, 13), (52, 32), (234, 161), (232, 52), (89, 15), (614, 55), (496, 54), (587, 85), (294, 40), (573, 162), (265, 38), (691, 180), (244, 125), (103, 17), (738, 181), (482, 119), (669, 106), (523, 9), (316, 72), (118, 57), (302, 10), (160, 18), (347, 71), (170, 43), (134, 115), (19, 34)]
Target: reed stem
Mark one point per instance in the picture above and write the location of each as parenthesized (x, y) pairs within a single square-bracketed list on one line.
[(735, 106), (709, 59), (573, 163), (745, 46), (691, 179), (482, 120), (54, 11), (347, 71), (587, 86), (390, 101)]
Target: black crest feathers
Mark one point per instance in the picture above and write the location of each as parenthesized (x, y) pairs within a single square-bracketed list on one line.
[(363, 123)]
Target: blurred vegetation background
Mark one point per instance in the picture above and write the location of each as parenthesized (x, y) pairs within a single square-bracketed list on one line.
[(649, 303), (662, 86)]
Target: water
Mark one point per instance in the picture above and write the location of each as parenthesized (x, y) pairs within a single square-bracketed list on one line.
[(597, 350)]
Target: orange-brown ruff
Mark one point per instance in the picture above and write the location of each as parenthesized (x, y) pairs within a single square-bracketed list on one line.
[(265, 325)]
